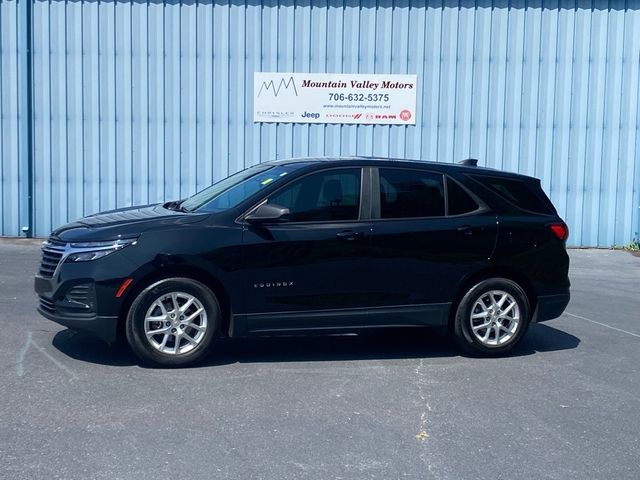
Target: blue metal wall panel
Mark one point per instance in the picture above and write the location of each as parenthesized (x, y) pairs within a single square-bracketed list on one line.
[(13, 191), (138, 102)]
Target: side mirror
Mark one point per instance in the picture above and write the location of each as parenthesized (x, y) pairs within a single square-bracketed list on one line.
[(268, 212)]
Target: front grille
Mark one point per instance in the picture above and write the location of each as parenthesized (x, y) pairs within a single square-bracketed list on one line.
[(52, 252), (49, 263), (47, 305)]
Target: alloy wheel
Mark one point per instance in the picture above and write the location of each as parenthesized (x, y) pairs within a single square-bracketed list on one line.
[(175, 323), (495, 318)]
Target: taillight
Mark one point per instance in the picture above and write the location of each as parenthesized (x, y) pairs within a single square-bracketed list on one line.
[(560, 230)]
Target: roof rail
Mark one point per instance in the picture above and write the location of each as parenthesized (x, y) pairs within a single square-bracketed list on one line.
[(470, 162)]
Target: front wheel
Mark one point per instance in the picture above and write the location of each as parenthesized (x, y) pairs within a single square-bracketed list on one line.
[(173, 322), (492, 317)]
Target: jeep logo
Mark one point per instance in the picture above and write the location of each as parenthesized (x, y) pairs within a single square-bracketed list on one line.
[(310, 115), (272, 284)]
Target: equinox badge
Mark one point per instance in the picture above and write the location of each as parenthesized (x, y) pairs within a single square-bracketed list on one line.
[(272, 284)]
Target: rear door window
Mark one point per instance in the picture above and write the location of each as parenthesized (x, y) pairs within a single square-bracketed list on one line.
[(406, 193)]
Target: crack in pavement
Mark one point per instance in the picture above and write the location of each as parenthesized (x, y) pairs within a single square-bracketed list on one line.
[(422, 436), (23, 352)]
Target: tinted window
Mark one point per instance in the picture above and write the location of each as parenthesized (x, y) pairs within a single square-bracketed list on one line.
[(517, 192), (459, 201), (233, 190), (323, 196), (410, 193)]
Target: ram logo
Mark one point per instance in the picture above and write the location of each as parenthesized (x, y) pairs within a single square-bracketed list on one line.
[(275, 89)]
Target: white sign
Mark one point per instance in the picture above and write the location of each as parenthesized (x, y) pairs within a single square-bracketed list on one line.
[(334, 98)]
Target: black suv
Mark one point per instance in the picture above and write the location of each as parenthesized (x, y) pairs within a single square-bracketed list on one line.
[(315, 245)]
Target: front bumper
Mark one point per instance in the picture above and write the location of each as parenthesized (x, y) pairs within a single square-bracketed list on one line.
[(101, 327), (81, 295), (74, 305)]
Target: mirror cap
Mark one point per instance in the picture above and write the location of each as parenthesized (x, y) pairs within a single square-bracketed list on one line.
[(267, 212)]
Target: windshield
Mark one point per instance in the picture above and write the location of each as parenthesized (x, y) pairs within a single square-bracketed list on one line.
[(233, 190)]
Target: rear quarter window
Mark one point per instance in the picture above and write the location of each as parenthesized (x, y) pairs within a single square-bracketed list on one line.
[(518, 192), (459, 201)]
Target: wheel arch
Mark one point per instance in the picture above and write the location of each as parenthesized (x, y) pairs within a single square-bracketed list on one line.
[(171, 271), (493, 272)]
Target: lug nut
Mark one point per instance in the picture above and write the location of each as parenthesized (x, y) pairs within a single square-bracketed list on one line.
[(173, 330), (167, 324), (182, 327), (181, 317)]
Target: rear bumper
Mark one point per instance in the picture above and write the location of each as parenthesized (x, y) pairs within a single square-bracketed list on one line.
[(551, 306), (101, 327)]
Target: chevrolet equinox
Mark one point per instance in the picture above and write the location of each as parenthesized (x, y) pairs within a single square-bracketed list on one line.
[(315, 245)]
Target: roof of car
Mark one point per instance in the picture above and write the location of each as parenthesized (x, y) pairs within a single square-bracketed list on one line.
[(371, 161)]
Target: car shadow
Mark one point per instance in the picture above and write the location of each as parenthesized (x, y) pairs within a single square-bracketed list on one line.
[(401, 343), (87, 348)]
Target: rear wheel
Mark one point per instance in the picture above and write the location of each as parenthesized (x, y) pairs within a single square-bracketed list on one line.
[(173, 322), (492, 317)]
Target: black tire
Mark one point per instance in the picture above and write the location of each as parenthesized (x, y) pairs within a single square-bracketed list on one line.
[(463, 332), (135, 322)]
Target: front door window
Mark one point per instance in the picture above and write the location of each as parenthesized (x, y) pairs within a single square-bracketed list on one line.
[(332, 195)]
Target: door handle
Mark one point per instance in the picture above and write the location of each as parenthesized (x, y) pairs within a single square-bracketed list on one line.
[(466, 229), (348, 235)]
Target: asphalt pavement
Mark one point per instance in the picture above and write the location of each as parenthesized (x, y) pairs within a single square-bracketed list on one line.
[(399, 404)]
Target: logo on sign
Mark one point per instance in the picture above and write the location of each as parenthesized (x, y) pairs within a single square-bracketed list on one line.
[(379, 116), (405, 115), (283, 84), (313, 115), (274, 114), (356, 116)]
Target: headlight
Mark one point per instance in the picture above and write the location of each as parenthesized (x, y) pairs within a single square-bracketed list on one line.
[(87, 251)]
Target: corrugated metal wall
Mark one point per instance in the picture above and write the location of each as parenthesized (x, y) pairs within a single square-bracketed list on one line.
[(13, 144), (138, 102)]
